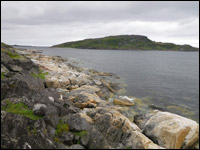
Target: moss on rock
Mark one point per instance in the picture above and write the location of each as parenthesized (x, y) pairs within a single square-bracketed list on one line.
[(81, 133), (2, 75), (40, 75), (19, 108), (61, 127)]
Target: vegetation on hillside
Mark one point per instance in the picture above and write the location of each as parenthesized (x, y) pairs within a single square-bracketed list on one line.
[(125, 42), (3, 45)]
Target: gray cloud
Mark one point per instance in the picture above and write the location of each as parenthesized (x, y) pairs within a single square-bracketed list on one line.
[(51, 22)]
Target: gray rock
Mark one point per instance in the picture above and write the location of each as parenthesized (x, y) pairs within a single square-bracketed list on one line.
[(76, 146), (39, 109), (4, 69), (85, 139), (52, 116), (18, 64), (97, 140), (15, 68), (97, 82), (18, 132), (67, 138), (77, 123), (51, 131), (61, 146), (32, 82)]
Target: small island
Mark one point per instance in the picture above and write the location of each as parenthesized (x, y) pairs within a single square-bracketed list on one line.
[(126, 42)]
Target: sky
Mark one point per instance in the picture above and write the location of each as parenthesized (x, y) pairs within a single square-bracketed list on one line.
[(46, 23)]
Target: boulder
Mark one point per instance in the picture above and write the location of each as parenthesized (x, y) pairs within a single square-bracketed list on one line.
[(34, 83), (57, 82), (88, 89), (17, 62), (18, 132), (137, 140), (104, 93), (117, 129), (52, 115), (4, 69), (169, 130), (92, 139), (67, 138), (84, 99), (123, 102), (81, 79), (39, 109), (97, 82), (78, 122)]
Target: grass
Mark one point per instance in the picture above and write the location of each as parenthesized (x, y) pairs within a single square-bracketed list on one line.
[(81, 133), (13, 55), (128, 147), (5, 45), (3, 50), (40, 75), (19, 108), (31, 131), (61, 127), (57, 140), (2, 75)]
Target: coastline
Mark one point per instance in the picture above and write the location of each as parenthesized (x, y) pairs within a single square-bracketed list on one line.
[(88, 96), (107, 49), (158, 96)]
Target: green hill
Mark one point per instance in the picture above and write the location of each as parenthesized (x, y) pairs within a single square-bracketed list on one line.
[(3, 45), (125, 42)]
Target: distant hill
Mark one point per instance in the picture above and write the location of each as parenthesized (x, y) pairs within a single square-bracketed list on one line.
[(125, 42)]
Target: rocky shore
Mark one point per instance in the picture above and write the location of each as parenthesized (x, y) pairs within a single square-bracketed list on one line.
[(47, 102)]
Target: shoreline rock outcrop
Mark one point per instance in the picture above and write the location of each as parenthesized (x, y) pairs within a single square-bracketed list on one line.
[(49, 103), (169, 130)]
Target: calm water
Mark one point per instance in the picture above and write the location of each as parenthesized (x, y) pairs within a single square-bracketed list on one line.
[(169, 79)]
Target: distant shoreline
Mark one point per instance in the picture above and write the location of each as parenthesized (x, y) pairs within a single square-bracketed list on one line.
[(104, 49)]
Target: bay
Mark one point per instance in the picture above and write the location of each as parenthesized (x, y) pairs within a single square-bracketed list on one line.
[(168, 79)]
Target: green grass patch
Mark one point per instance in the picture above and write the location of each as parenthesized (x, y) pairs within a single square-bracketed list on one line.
[(19, 108), (81, 133), (11, 85), (128, 147), (57, 140), (32, 131), (2, 75), (61, 127), (3, 50), (13, 55), (40, 75)]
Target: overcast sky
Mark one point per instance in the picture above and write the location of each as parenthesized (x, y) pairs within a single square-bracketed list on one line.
[(45, 23)]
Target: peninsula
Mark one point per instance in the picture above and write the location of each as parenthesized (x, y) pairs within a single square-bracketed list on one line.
[(126, 42)]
